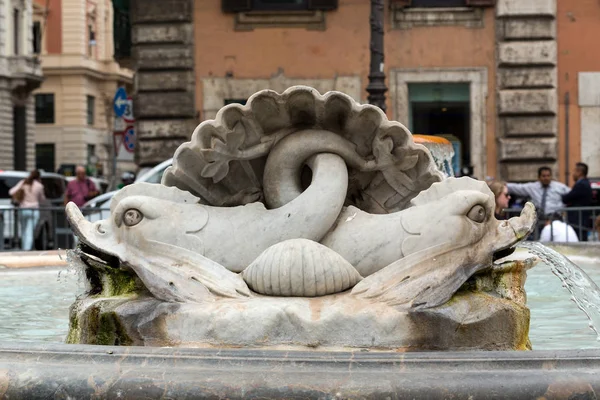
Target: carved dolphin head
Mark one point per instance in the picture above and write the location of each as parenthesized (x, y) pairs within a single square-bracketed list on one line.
[(454, 234), (140, 213), (460, 212)]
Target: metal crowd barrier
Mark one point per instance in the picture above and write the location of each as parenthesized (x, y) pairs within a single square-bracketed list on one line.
[(51, 232), (583, 218)]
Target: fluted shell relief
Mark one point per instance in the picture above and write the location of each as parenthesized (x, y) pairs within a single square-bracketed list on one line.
[(300, 268), (224, 161)]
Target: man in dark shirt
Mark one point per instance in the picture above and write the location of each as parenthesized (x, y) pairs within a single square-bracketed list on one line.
[(580, 196), (81, 189)]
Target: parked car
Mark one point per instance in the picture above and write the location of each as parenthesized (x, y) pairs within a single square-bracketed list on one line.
[(44, 234), (98, 208)]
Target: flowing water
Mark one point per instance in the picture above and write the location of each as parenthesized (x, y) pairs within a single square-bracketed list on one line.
[(584, 292), (34, 302)]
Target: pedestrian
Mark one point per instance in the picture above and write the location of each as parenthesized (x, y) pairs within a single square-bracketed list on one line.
[(580, 196), (81, 189), (545, 194), (556, 230), (502, 198), (28, 194)]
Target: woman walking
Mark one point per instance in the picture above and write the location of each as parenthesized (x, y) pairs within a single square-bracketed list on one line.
[(28, 194)]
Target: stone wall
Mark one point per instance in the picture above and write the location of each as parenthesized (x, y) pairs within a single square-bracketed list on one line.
[(527, 100), (163, 54)]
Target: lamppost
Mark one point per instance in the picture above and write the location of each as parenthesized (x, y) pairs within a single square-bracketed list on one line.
[(376, 87)]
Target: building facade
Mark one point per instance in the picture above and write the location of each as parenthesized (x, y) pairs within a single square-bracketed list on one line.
[(490, 75), (20, 74), (74, 117)]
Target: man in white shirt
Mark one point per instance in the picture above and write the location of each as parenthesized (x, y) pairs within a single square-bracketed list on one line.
[(545, 194), (557, 231)]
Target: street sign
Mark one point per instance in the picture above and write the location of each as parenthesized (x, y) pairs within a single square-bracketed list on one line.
[(129, 139), (120, 102), (128, 114), (120, 125)]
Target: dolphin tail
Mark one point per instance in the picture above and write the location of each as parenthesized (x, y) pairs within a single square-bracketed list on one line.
[(416, 282), (190, 277)]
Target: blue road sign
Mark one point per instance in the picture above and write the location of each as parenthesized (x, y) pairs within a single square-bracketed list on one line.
[(120, 102)]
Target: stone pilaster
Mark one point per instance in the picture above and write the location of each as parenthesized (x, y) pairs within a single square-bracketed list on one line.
[(163, 54), (526, 75)]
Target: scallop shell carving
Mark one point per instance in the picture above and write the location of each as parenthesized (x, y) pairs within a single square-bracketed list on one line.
[(223, 163), (300, 268)]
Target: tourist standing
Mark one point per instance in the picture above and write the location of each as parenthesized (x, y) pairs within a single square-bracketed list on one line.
[(28, 194), (545, 194), (580, 196), (81, 189), (502, 198), (556, 230)]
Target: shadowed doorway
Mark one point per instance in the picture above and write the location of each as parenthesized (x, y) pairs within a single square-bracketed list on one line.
[(443, 109)]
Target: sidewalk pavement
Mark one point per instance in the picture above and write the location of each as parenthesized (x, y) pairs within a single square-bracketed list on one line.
[(29, 259)]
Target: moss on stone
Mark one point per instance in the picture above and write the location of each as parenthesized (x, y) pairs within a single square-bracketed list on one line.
[(111, 331), (118, 282)]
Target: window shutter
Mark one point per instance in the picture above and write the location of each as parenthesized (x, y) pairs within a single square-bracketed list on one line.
[(481, 3), (235, 6), (326, 5)]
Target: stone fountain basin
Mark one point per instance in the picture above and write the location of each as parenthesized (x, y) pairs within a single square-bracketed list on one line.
[(36, 371)]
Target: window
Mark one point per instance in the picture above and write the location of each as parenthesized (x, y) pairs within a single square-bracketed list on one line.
[(235, 101), (91, 103), (44, 108), (444, 3), (91, 154), (16, 30), (91, 41), (278, 5), (235, 6), (438, 3), (44, 156), (37, 37)]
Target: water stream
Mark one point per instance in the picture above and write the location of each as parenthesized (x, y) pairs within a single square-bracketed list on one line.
[(584, 292)]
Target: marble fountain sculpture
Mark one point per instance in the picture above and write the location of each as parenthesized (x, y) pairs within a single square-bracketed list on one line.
[(302, 220)]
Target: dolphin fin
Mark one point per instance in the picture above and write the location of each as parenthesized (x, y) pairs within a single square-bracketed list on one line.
[(419, 281), (189, 277)]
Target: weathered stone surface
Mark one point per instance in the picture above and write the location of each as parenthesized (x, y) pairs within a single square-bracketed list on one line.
[(41, 370), (590, 138), (527, 53), (154, 11), (165, 81), (153, 152), (178, 128), (541, 101), (406, 18), (522, 78), (162, 33), (488, 313), (163, 57), (529, 28), (528, 149), (589, 89), (509, 8), (525, 171), (530, 125), (350, 259), (173, 104)]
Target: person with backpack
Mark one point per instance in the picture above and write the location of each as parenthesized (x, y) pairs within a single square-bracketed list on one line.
[(27, 195), (81, 189)]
